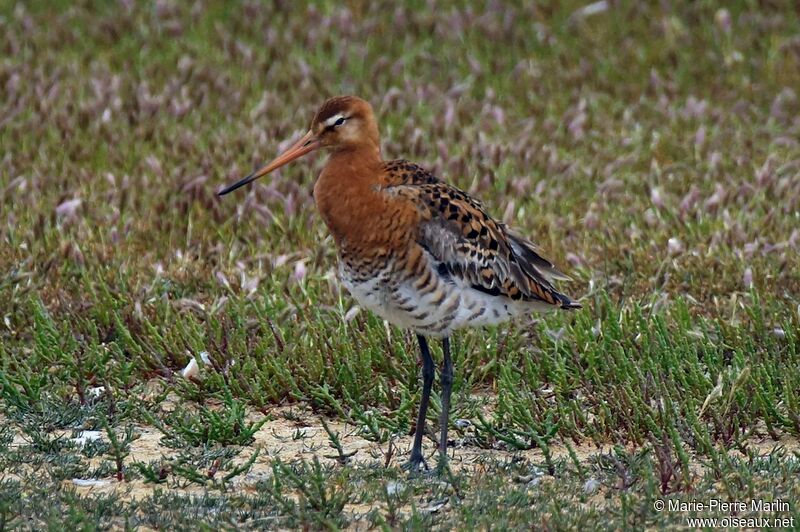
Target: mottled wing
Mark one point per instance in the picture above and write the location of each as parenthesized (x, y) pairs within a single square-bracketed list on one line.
[(401, 172), (470, 245)]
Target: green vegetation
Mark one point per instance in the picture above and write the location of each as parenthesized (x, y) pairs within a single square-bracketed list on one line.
[(650, 148)]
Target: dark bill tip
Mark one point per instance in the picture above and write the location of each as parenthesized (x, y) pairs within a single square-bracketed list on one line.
[(249, 179)]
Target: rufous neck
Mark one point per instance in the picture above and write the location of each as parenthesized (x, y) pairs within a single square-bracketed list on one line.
[(347, 192), (367, 152)]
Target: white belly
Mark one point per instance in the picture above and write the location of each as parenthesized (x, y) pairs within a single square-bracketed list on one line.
[(435, 310)]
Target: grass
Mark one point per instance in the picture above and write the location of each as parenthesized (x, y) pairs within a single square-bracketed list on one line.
[(650, 149)]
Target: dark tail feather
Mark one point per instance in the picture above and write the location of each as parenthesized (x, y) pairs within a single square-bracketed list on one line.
[(534, 264), (568, 304)]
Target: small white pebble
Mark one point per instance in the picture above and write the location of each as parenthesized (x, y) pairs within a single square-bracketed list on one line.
[(96, 392), (394, 487), (191, 369), (435, 506), (87, 436), (463, 423), (89, 482)]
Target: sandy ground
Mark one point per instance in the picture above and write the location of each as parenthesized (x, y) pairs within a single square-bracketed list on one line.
[(277, 439)]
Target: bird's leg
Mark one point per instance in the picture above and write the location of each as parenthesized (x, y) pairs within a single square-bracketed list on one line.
[(428, 371), (446, 377)]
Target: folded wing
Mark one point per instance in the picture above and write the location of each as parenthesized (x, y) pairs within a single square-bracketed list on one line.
[(470, 245)]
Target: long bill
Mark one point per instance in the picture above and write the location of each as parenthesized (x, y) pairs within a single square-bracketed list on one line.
[(303, 146)]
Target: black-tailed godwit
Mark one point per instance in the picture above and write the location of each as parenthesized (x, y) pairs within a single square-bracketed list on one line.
[(418, 252)]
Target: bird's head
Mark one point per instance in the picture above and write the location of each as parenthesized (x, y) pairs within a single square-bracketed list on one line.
[(342, 123)]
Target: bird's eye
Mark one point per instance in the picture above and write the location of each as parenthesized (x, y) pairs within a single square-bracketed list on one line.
[(340, 121)]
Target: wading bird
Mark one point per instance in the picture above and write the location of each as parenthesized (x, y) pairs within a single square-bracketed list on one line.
[(420, 253)]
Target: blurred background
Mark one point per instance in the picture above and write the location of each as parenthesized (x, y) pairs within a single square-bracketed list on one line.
[(652, 150), (648, 146)]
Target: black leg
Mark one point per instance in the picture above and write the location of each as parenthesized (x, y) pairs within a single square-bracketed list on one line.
[(428, 371), (446, 376)]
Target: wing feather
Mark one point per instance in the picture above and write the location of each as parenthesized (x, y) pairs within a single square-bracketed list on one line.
[(468, 243)]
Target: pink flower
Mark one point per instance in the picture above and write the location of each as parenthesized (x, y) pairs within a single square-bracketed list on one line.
[(67, 210), (747, 278), (299, 270)]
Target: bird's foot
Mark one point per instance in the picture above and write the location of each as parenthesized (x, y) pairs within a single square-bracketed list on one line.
[(416, 465)]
